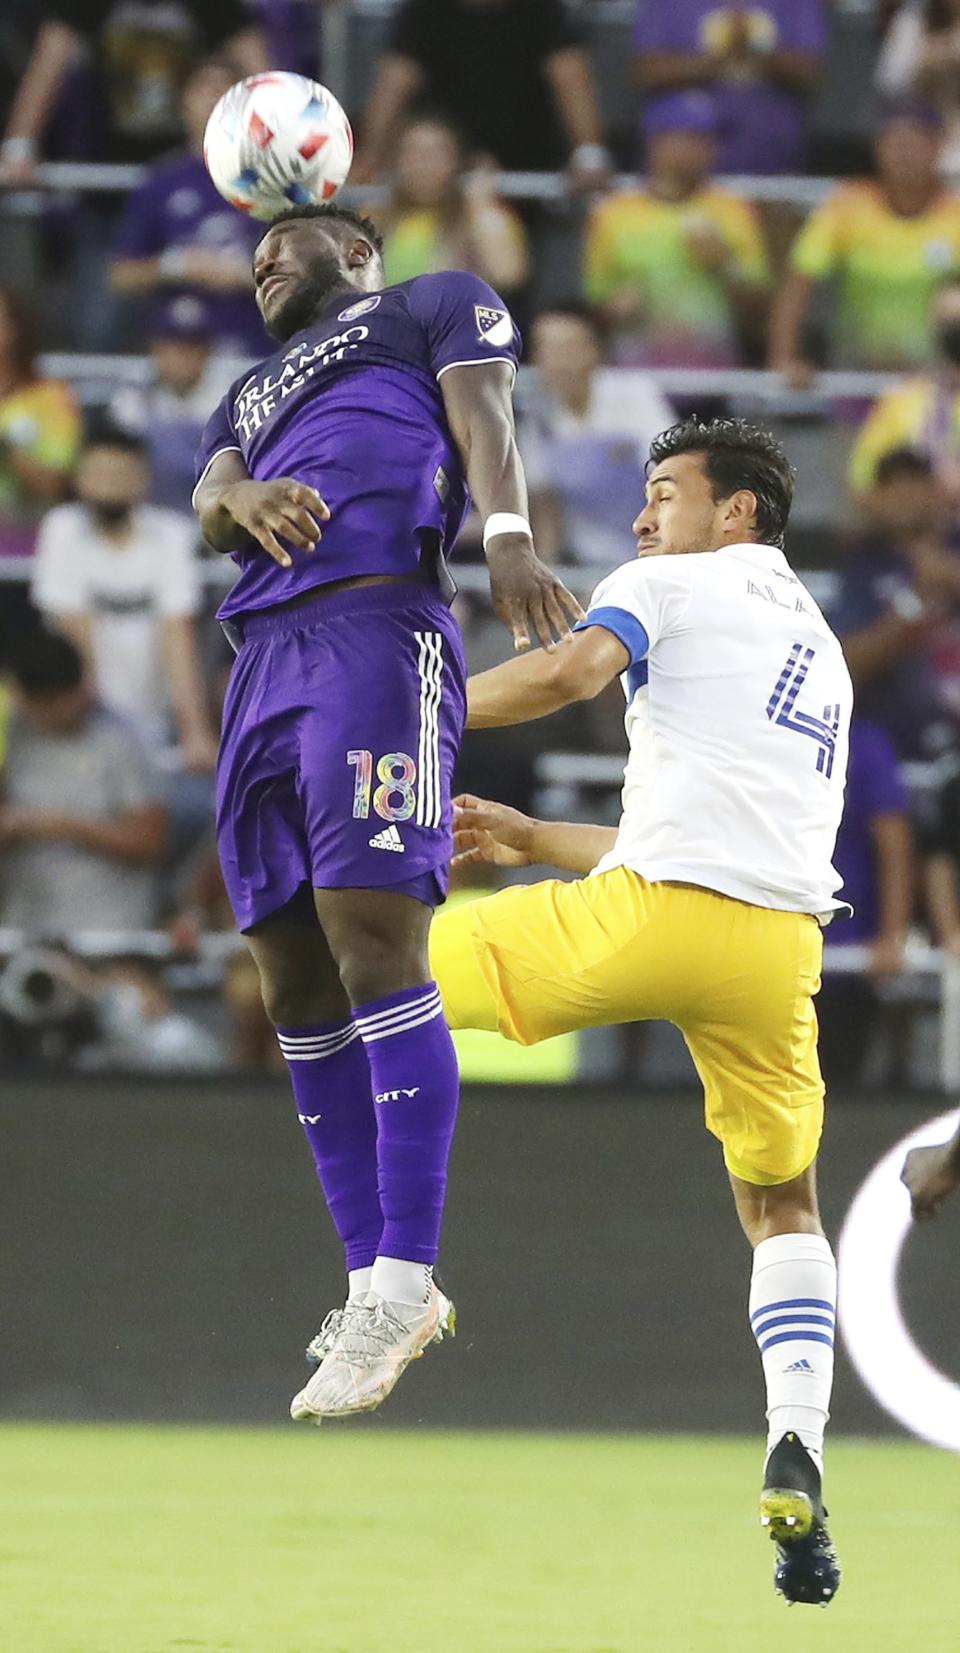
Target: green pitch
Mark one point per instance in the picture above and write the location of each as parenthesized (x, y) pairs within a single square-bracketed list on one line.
[(359, 1540)]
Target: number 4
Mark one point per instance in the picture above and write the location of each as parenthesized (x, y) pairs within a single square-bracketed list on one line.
[(781, 709)]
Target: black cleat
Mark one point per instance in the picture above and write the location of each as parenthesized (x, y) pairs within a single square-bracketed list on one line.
[(792, 1511)]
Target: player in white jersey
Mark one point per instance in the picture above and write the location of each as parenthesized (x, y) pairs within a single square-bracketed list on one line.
[(705, 907)]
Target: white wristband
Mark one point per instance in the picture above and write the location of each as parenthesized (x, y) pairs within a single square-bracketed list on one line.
[(18, 149), (505, 522)]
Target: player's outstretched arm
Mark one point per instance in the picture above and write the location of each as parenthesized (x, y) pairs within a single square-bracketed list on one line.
[(537, 684), (236, 512), (527, 596), (931, 1174), (492, 834)]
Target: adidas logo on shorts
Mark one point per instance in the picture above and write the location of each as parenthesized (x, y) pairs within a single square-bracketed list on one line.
[(389, 838)]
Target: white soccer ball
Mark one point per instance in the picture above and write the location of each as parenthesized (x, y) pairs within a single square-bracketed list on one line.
[(277, 140)]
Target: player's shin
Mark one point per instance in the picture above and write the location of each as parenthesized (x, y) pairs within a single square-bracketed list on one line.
[(330, 1076), (793, 1302), (416, 1087)]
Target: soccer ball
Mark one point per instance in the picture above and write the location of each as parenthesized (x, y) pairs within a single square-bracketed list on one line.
[(277, 140)]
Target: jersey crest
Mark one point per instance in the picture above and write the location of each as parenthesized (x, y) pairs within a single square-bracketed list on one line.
[(494, 326), (362, 309)]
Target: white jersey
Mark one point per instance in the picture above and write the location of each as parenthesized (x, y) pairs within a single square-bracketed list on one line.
[(738, 715)]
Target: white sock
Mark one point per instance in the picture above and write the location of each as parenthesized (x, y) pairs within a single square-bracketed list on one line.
[(793, 1304), (358, 1282), (401, 1282)]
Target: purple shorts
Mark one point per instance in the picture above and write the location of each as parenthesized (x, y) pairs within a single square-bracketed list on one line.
[(341, 728)]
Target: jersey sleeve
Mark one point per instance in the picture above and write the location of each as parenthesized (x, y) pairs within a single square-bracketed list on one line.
[(466, 323), (219, 436), (59, 584), (639, 605), (741, 227), (176, 574), (601, 275), (816, 251), (889, 424)]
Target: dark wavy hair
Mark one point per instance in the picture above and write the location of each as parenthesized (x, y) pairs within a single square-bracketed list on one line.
[(738, 455)]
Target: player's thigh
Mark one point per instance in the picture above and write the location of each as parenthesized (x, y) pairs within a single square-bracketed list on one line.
[(377, 753), (261, 839), (536, 960), (754, 1045)]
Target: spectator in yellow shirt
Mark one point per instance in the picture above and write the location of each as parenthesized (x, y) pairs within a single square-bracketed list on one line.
[(923, 413), (440, 218), (885, 244), (677, 269), (39, 432)]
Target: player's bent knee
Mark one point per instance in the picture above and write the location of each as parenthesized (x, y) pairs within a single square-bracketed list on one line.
[(297, 1001), (371, 969)]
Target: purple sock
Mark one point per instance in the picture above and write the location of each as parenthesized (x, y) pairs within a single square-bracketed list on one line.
[(416, 1089), (330, 1075)]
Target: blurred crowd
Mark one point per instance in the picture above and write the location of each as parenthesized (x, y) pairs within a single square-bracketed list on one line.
[(690, 212)]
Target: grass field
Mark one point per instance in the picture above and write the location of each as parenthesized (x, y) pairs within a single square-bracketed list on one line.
[(122, 1540)]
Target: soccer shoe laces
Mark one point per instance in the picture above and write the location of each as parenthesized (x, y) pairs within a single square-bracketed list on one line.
[(319, 1345), (370, 1333)]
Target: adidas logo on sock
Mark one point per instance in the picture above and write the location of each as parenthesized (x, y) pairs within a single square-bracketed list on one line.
[(799, 1366), (389, 838)]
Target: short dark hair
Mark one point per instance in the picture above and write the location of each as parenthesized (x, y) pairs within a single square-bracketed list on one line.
[(738, 455), (333, 212), (100, 433), (902, 461), (44, 662), (576, 309)]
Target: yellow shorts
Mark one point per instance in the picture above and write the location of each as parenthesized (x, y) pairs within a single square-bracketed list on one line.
[(540, 959)]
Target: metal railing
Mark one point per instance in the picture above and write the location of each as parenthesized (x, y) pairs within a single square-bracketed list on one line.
[(757, 383), (118, 178)]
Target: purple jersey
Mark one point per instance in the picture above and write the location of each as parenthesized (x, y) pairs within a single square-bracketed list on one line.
[(352, 406)]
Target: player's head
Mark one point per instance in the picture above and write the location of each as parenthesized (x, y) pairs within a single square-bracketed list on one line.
[(113, 475), (682, 131), (429, 162), (907, 497), (908, 147), (567, 348), (307, 256), (202, 91), (49, 682), (712, 483)]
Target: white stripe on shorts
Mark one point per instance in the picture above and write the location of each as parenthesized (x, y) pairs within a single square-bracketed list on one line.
[(430, 668)]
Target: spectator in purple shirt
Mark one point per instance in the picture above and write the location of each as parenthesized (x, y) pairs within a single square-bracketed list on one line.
[(897, 612), (760, 62), (180, 238), (874, 857)]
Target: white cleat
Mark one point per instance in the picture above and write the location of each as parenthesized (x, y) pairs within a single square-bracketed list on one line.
[(319, 1347), (374, 1344)]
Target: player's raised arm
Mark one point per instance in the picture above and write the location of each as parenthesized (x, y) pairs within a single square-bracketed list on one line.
[(527, 596), (536, 685), (235, 512)]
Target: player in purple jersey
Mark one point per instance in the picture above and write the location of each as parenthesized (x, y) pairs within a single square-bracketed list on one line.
[(337, 473)]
